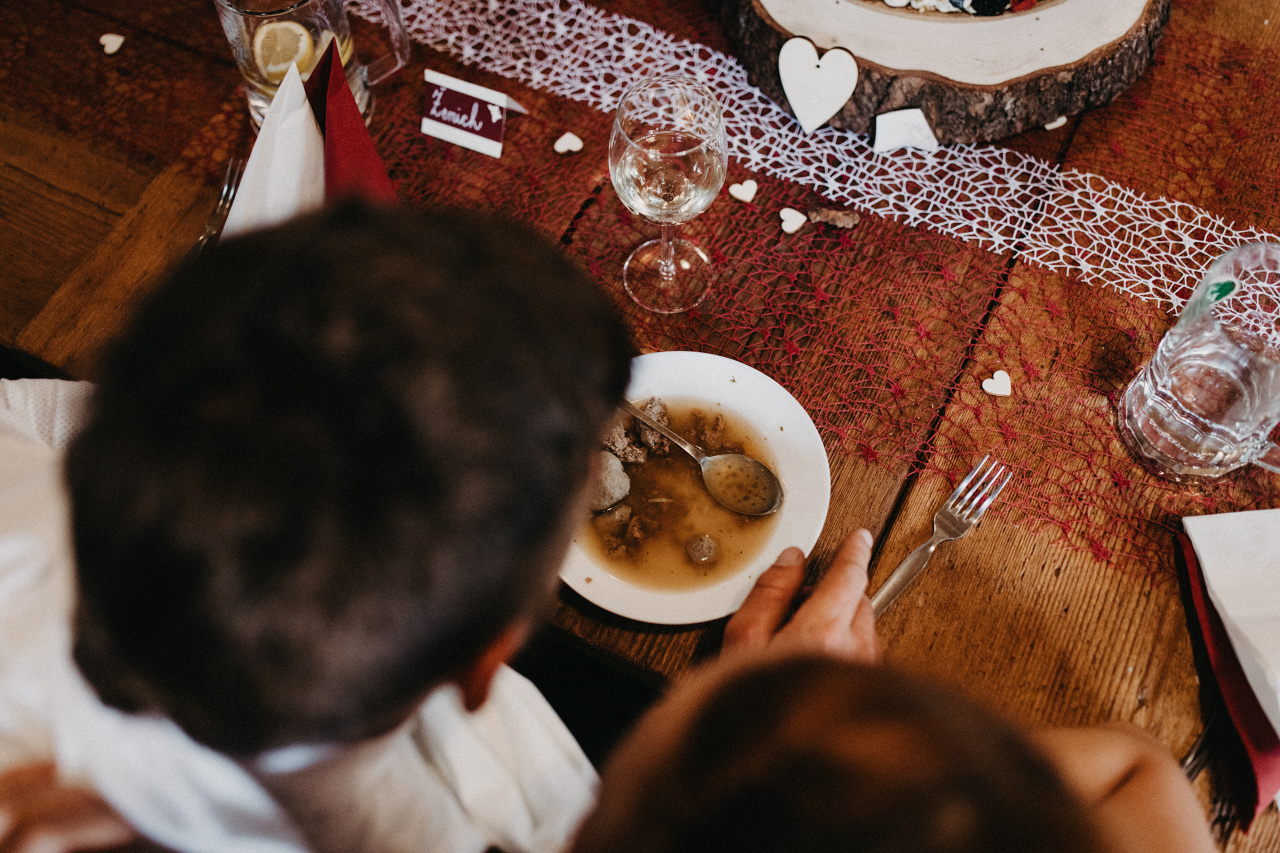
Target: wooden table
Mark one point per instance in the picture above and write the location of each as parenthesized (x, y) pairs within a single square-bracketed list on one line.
[(110, 164)]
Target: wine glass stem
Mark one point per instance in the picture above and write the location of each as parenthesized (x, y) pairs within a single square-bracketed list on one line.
[(667, 263)]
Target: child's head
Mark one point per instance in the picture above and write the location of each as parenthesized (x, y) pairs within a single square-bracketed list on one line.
[(328, 464), (814, 754)]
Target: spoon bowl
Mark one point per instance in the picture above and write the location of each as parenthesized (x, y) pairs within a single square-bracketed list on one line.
[(736, 482)]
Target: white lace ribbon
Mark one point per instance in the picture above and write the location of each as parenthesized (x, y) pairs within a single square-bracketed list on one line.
[(1064, 220)]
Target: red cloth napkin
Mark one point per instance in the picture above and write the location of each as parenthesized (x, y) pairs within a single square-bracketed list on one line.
[(351, 164), (1260, 740)]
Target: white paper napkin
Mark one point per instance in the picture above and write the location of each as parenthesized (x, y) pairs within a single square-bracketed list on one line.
[(1239, 556), (285, 173)]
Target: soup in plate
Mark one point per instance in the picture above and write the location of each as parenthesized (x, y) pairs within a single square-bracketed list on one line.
[(666, 532)]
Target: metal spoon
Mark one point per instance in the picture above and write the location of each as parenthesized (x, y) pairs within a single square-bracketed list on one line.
[(737, 482)]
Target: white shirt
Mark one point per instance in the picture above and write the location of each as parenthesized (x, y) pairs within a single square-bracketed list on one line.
[(509, 775)]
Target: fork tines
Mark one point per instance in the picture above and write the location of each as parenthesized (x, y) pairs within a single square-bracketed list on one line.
[(218, 217), (979, 489), (230, 184)]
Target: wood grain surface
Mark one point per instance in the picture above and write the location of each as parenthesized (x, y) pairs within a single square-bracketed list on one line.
[(109, 165)]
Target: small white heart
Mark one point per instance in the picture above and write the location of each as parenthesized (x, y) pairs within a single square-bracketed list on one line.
[(568, 144), (110, 42), (745, 191), (998, 385), (816, 88), (792, 219)]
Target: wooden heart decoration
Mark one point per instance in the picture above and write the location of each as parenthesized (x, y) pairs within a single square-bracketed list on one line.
[(816, 88), (998, 385), (745, 191), (568, 144), (792, 219)]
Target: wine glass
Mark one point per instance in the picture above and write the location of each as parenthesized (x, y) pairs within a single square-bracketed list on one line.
[(667, 157)]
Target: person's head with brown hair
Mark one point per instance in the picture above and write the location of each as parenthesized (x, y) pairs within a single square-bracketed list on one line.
[(333, 464), (815, 754)]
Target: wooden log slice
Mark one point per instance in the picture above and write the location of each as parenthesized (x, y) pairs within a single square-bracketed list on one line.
[(976, 79)]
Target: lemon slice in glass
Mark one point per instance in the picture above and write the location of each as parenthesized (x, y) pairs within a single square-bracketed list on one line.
[(279, 44)]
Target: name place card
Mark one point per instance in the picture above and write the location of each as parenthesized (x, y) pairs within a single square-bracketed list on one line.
[(466, 114)]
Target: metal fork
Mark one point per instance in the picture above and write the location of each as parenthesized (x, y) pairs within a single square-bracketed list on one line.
[(218, 218), (1198, 755), (956, 517)]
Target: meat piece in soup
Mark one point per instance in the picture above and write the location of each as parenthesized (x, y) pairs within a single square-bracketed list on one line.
[(701, 549), (612, 483), (650, 437), (622, 443)]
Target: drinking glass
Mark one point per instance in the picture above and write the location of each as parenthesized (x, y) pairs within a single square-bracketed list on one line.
[(667, 158), (1210, 396), (267, 36)]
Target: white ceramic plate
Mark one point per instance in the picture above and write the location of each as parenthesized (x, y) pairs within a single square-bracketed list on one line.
[(799, 459)]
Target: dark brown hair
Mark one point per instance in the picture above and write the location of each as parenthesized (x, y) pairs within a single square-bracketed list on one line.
[(328, 463), (819, 755)]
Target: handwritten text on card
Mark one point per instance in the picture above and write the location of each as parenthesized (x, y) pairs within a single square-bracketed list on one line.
[(464, 114)]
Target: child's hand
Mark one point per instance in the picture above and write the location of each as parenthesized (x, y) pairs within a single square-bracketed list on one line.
[(835, 619), (41, 814)]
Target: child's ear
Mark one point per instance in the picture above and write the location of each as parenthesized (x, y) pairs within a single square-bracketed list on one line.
[(476, 679)]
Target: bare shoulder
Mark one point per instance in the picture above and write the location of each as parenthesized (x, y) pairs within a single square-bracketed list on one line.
[(1139, 797)]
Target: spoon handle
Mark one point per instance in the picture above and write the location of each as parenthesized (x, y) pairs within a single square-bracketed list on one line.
[(692, 449)]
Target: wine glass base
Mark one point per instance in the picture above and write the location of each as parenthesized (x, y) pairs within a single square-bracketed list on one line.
[(642, 277)]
